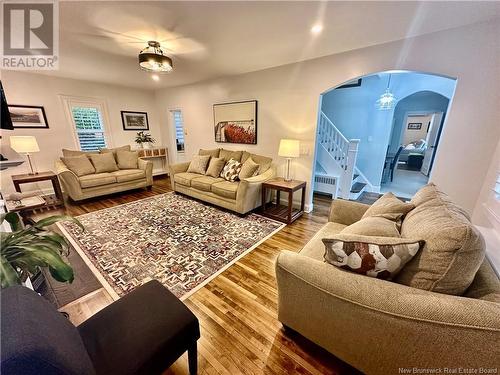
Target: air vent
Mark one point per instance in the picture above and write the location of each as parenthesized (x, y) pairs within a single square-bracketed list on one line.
[(327, 184)]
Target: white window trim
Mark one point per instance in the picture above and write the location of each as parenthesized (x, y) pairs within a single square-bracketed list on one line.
[(69, 101), (173, 138)]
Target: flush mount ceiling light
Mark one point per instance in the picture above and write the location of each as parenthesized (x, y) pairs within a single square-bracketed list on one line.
[(316, 29), (387, 100), (153, 59)]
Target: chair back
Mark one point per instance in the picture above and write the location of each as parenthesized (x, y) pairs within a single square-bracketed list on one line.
[(37, 339)]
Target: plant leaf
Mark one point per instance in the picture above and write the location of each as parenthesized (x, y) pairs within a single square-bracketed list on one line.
[(54, 219), (13, 219), (8, 275)]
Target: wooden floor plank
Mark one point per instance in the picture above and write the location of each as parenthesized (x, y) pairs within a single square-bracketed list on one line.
[(237, 309)]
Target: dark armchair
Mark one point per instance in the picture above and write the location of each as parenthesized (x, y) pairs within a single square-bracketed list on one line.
[(144, 332)]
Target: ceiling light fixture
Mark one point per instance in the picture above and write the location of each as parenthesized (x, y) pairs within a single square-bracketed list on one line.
[(316, 29), (153, 59), (387, 100)]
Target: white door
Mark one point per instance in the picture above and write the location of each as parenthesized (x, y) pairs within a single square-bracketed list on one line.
[(431, 142)]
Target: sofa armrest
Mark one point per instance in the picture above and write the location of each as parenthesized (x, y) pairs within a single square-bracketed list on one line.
[(346, 212), (146, 166), (69, 180), (379, 326), (177, 168), (249, 191)]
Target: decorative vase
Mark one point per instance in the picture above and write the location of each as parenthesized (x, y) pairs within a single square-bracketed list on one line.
[(140, 145), (148, 145)]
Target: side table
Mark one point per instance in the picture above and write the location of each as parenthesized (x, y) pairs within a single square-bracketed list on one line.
[(57, 200), (284, 213)]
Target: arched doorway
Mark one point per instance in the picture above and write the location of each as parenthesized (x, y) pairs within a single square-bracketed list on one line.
[(358, 137)]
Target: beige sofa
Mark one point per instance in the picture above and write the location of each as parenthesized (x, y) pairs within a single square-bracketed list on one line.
[(98, 184), (380, 326), (239, 196)]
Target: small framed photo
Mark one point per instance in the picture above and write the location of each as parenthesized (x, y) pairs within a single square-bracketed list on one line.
[(135, 120), (28, 117), (414, 126)]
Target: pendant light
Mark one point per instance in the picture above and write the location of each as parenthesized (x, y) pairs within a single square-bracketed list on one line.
[(153, 59), (387, 100)]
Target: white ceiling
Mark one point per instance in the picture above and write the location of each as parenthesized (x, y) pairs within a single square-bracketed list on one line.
[(99, 41)]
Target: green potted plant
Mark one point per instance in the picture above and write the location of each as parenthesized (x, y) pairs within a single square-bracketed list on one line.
[(24, 250), (144, 140)]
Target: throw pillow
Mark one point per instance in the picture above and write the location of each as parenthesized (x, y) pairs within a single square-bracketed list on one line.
[(373, 226), (248, 169), (215, 167), (115, 150), (104, 163), (79, 165), (380, 257), (231, 170), (390, 207), (228, 155), (72, 153), (127, 159), (199, 164), (213, 153)]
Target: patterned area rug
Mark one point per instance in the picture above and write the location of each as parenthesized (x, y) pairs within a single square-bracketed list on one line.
[(176, 240)]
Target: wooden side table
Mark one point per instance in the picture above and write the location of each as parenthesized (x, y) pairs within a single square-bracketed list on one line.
[(286, 214), (56, 201)]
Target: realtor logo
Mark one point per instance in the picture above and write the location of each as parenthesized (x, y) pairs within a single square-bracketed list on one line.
[(30, 39)]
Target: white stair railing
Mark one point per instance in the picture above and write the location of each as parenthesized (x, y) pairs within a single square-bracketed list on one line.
[(342, 150)]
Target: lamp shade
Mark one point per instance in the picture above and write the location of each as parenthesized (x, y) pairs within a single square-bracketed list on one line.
[(24, 144), (289, 148)]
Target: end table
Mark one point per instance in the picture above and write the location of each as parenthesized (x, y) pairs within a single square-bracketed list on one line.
[(56, 200), (286, 214)]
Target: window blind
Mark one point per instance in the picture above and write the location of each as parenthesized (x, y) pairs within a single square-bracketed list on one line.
[(89, 128), (179, 129)]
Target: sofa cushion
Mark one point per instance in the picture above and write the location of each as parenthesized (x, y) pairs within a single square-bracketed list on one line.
[(380, 257), (213, 153), (453, 251), (315, 248), (248, 169), (104, 162), (373, 226), (127, 159), (96, 179), (79, 165), (228, 154), (389, 207), (215, 167), (115, 150), (72, 153), (231, 170), (125, 175), (199, 164), (205, 182), (225, 189), (184, 178)]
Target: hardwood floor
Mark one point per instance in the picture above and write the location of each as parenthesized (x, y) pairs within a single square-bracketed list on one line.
[(240, 333)]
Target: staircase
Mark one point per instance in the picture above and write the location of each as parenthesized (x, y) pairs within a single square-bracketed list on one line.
[(336, 159)]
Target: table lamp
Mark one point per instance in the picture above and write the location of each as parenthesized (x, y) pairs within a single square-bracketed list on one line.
[(289, 148), (25, 145)]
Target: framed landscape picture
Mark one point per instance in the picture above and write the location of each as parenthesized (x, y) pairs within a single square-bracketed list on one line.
[(135, 120), (414, 126), (28, 117), (236, 122)]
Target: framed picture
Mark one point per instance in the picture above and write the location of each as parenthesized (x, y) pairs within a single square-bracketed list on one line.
[(135, 120), (28, 117), (236, 122), (414, 126)]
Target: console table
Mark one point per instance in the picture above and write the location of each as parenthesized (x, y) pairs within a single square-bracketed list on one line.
[(156, 153)]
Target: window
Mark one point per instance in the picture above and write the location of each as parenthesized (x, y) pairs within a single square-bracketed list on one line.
[(497, 187), (179, 129), (89, 128)]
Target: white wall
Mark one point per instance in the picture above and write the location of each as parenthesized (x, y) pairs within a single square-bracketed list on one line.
[(35, 89), (288, 99)]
